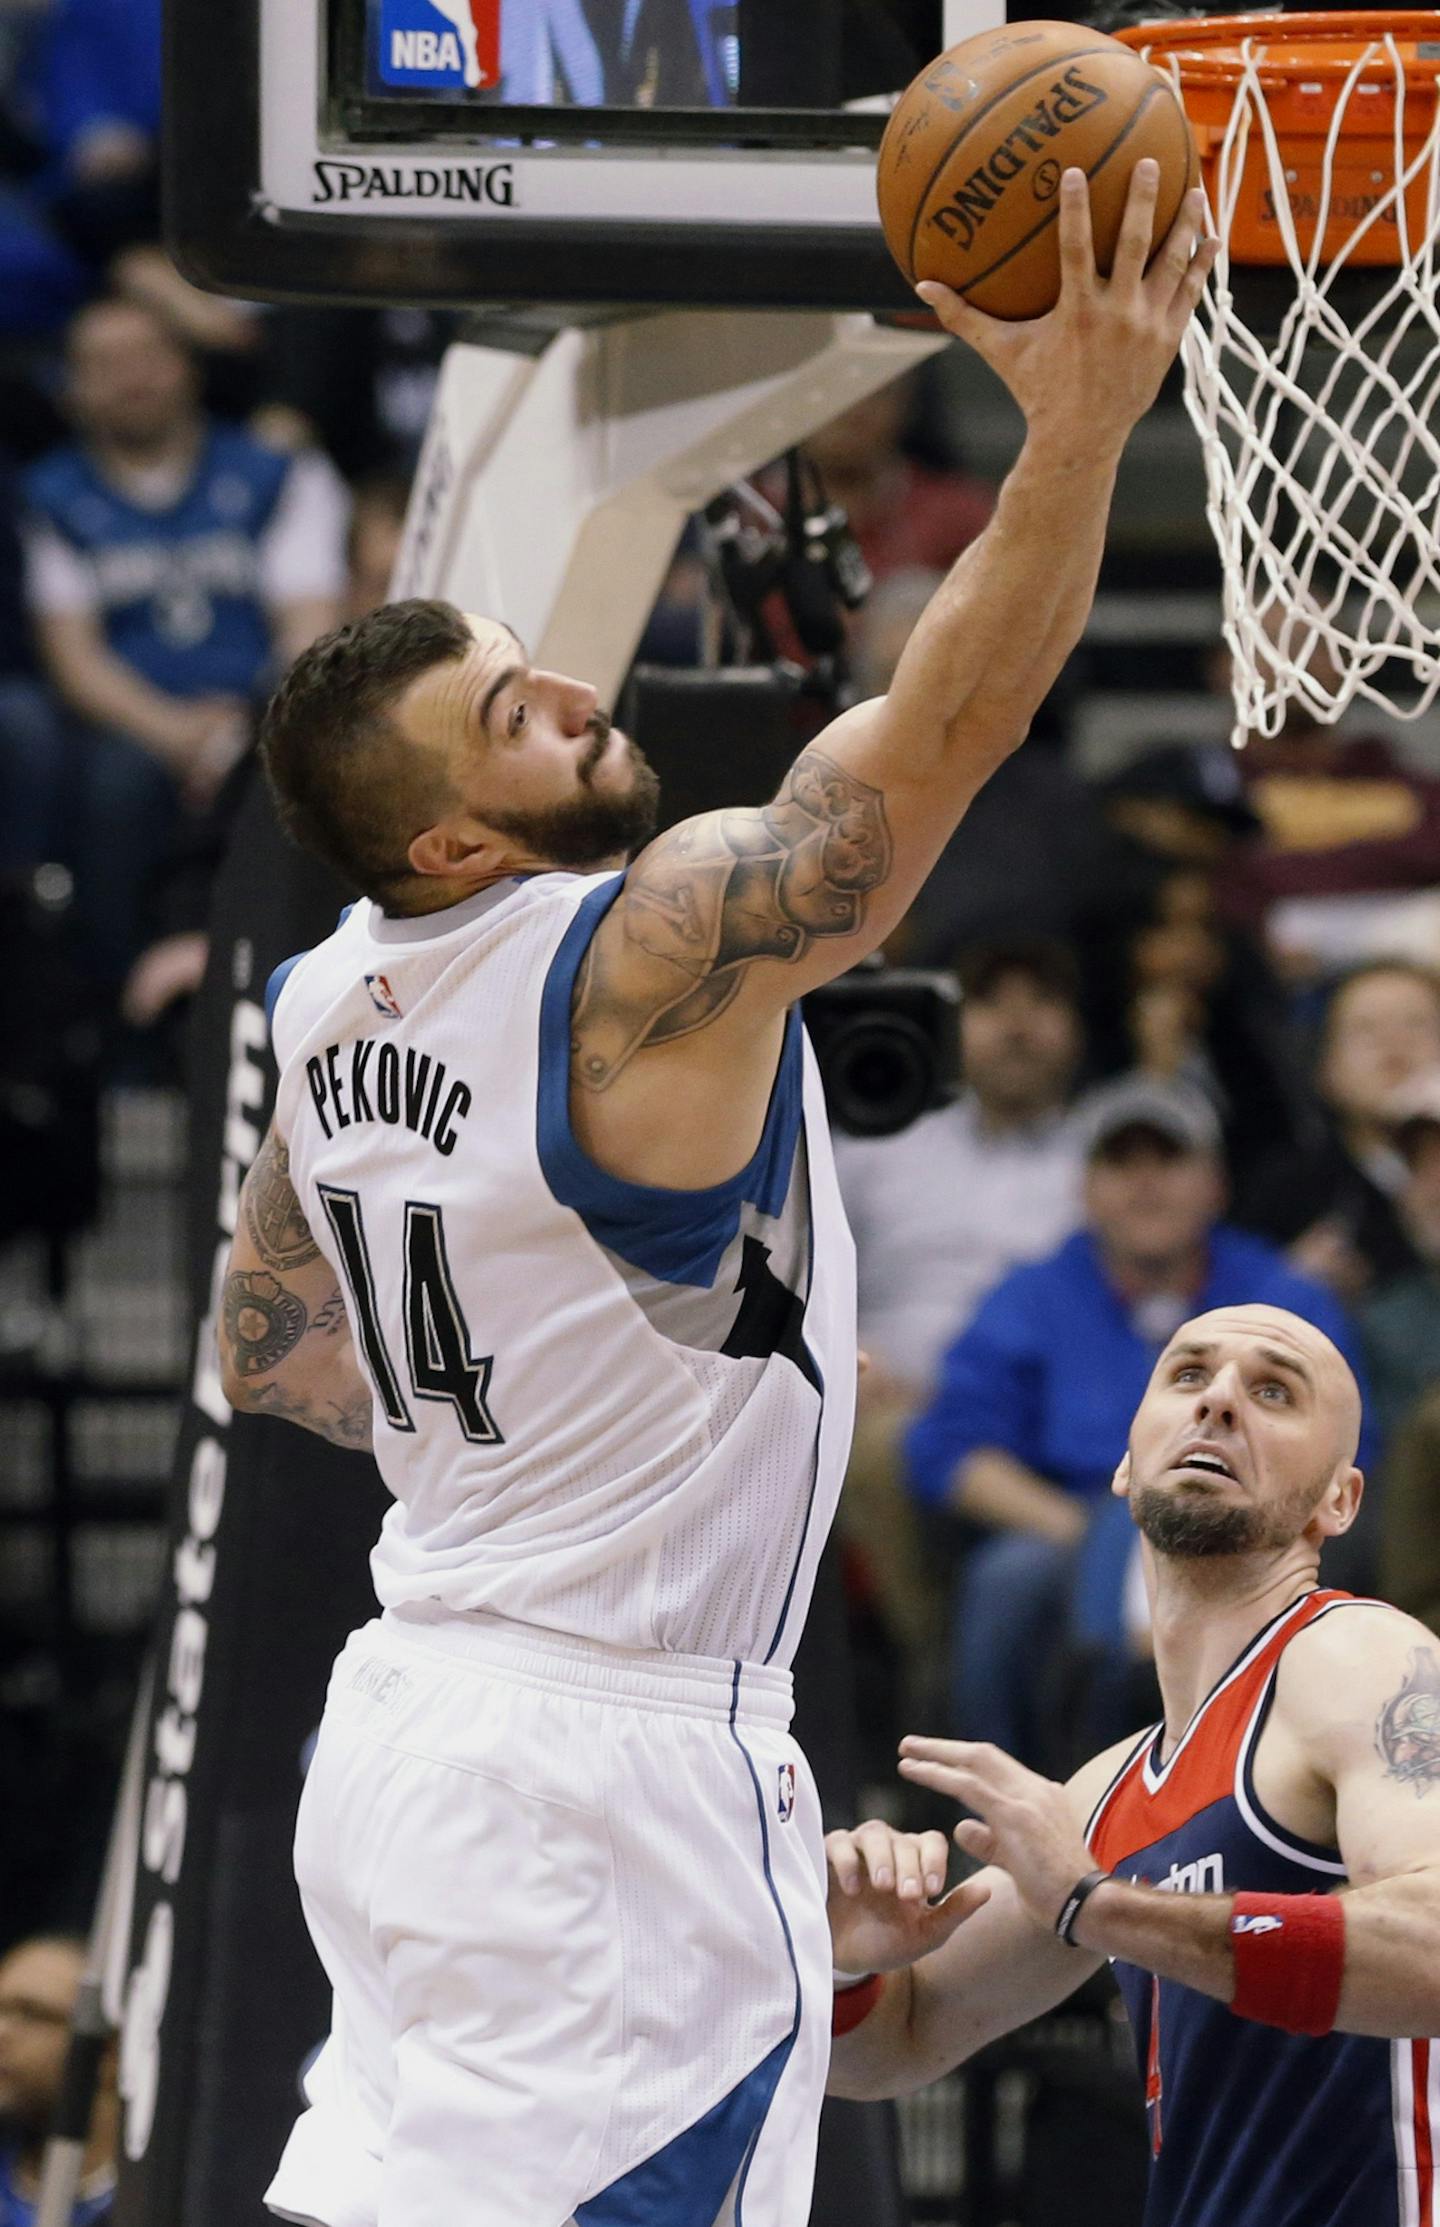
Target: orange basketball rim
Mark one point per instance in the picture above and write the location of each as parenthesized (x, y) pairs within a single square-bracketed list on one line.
[(1351, 105)]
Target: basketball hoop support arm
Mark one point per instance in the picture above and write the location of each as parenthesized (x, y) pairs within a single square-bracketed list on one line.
[(561, 463)]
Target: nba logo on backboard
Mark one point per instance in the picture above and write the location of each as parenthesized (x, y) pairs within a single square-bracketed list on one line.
[(785, 1801), (382, 997), (439, 44)]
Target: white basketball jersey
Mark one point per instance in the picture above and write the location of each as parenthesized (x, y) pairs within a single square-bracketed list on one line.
[(609, 1410)]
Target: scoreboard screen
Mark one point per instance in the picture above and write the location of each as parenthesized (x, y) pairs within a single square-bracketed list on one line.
[(634, 68), (566, 53)]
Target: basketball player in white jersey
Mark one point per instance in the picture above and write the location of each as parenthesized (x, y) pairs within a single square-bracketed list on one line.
[(547, 1216)]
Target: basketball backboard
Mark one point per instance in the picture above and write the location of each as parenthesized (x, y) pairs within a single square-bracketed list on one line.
[(577, 151)]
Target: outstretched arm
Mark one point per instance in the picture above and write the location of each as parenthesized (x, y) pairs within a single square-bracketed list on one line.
[(1358, 1710), (285, 1343), (997, 1972), (727, 919), (964, 1968)]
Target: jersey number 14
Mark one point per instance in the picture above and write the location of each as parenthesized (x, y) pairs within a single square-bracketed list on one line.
[(437, 1337)]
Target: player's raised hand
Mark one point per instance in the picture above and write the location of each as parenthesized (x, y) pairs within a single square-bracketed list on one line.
[(886, 1902), (1023, 1822), (1092, 365)]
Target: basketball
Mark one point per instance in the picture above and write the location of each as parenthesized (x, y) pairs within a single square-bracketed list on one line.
[(968, 180)]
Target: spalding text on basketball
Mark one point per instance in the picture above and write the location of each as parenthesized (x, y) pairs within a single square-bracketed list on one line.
[(1071, 96), (490, 183)]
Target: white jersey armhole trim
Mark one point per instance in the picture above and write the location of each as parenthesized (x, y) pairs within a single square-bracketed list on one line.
[(1264, 1828)]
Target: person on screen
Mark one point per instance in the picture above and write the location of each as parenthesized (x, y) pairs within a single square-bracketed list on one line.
[(541, 42), (661, 64)]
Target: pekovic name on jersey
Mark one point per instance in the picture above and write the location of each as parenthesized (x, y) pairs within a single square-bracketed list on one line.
[(372, 1080)]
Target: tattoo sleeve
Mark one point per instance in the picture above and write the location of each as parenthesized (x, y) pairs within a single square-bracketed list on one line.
[(1408, 1733), (346, 1422), (263, 1321), (715, 894), (279, 1230)]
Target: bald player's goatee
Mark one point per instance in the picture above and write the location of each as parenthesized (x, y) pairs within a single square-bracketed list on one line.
[(1190, 1529)]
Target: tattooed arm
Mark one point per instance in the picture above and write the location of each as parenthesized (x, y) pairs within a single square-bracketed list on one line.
[(1349, 1757), (285, 1343), (727, 919)]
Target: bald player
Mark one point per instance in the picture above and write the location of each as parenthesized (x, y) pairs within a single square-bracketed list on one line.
[(1262, 1868)]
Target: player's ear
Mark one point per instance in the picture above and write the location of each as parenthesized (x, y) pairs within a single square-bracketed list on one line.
[(1340, 1503), (1120, 1482), (447, 850)]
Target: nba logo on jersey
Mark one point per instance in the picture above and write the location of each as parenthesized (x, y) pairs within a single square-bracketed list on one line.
[(438, 44), (785, 1799), (382, 997)]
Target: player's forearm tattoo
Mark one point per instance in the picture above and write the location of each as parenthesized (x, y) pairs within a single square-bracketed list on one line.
[(716, 894), (348, 1422), (280, 1231), (263, 1321), (330, 1319), (1408, 1733)]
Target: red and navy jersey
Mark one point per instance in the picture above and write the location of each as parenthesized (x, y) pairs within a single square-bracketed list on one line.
[(1249, 2126)]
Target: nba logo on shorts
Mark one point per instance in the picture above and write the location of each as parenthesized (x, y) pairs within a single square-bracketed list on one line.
[(785, 1800), (440, 45), (382, 997)]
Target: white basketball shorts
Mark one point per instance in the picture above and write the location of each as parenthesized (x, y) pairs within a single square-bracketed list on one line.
[(571, 1903)]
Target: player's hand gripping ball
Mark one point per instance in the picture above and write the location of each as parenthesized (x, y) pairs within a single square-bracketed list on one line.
[(970, 165)]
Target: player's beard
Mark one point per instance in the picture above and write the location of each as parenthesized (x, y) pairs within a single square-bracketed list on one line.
[(1189, 1526), (597, 825)]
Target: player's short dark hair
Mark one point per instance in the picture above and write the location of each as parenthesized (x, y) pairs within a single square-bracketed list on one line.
[(347, 786)]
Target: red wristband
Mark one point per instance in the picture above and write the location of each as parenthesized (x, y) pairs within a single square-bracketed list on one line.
[(852, 2004), (1289, 1960)]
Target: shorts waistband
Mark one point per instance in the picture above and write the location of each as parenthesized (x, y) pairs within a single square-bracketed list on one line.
[(683, 1685)]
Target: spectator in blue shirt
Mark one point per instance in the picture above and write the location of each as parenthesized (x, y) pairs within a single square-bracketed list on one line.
[(1035, 1397), (39, 1981), (173, 562)]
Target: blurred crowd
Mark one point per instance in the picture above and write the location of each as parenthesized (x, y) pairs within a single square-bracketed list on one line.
[(191, 489), (1201, 997)]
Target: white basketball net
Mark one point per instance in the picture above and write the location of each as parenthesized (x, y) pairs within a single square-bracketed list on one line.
[(1322, 447)]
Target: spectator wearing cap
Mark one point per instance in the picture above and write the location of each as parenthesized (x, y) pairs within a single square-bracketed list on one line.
[(939, 1213), (1334, 1204), (172, 561), (1035, 1397), (39, 1982)]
